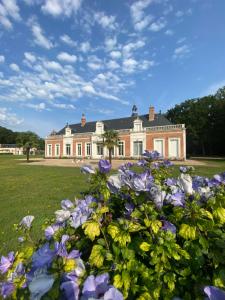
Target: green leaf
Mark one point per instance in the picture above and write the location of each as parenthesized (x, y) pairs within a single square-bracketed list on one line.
[(145, 296), (103, 210), (188, 232), (133, 227), (205, 213), (117, 281), (119, 235), (156, 225), (145, 247), (92, 229), (97, 256), (219, 214)]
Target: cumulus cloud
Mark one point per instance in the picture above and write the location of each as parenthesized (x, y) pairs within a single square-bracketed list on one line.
[(115, 54), (2, 59), (94, 62), (38, 107), (213, 88), (85, 47), (181, 51), (14, 67), (66, 57), (39, 37), (64, 106), (140, 20), (112, 64), (132, 46), (67, 40), (30, 57), (9, 10), (8, 118), (158, 25), (57, 8), (107, 22), (110, 43), (169, 32)]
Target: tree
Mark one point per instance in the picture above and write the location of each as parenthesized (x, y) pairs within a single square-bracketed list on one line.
[(28, 140), (110, 139), (7, 136)]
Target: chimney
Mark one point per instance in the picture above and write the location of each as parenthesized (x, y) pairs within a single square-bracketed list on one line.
[(151, 116), (83, 120)]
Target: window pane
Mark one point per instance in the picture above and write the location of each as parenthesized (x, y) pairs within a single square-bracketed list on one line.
[(68, 147)]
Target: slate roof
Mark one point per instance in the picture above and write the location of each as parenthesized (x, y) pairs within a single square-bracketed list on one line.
[(118, 124)]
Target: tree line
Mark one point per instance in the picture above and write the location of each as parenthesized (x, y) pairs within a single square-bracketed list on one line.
[(205, 123)]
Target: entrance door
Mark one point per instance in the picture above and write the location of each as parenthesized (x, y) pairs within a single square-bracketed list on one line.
[(158, 146), (174, 148)]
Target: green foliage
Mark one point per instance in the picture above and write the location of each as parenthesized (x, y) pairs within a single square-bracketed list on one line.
[(110, 139)]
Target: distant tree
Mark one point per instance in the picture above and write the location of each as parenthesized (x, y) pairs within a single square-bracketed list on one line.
[(7, 136), (110, 139), (28, 140)]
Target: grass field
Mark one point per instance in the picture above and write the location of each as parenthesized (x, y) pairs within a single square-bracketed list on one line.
[(38, 190)]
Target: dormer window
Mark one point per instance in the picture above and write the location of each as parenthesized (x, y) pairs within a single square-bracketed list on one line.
[(99, 127), (67, 131), (137, 125)]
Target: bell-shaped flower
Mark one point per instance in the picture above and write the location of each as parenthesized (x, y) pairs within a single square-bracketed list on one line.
[(62, 215), (43, 257), (40, 284), (214, 293), (113, 294), (157, 195), (27, 221), (51, 230), (7, 288), (104, 166), (114, 183), (6, 262), (67, 204), (185, 181), (87, 169), (70, 290), (151, 155), (95, 286), (167, 226)]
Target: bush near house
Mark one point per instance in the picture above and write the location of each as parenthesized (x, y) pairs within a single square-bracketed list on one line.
[(133, 235)]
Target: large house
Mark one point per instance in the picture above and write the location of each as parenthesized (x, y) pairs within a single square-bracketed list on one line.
[(136, 133)]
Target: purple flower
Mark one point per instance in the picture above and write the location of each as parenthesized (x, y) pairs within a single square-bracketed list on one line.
[(62, 215), (66, 204), (157, 195), (95, 286), (82, 211), (171, 181), (114, 183), (27, 221), (141, 163), (87, 169), (43, 257), (70, 290), (51, 230), (142, 182), (183, 169), (167, 163), (129, 209), (7, 289), (185, 181), (167, 226), (214, 293), (6, 262), (113, 294), (176, 199), (104, 166), (151, 155), (61, 247), (41, 283)]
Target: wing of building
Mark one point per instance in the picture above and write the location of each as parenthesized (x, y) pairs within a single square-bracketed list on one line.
[(136, 134)]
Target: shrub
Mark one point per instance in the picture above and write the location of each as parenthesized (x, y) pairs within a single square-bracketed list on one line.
[(139, 234)]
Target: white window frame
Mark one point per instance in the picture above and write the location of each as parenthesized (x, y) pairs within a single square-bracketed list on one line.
[(140, 154), (70, 149), (58, 149), (102, 149), (77, 148), (86, 152), (179, 148), (48, 152), (160, 139), (119, 155)]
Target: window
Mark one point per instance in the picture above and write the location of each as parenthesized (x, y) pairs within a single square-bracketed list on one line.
[(57, 150), (68, 131), (88, 149), (79, 149), (68, 149), (138, 148), (99, 127), (137, 127), (49, 150), (121, 148), (99, 149)]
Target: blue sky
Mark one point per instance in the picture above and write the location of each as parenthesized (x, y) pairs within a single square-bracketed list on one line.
[(62, 58)]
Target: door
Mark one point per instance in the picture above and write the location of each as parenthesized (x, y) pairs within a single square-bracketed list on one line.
[(158, 146), (174, 148)]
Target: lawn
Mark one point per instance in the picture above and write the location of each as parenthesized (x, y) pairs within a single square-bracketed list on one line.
[(38, 190)]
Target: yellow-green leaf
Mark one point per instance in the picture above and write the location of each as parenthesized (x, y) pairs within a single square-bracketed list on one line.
[(92, 229), (145, 246), (188, 232), (97, 256), (156, 225), (117, 281), (206, 213), (133, 227), (119, 235), (219, 213)]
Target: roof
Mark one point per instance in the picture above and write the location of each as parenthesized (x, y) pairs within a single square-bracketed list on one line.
[(118, 124)]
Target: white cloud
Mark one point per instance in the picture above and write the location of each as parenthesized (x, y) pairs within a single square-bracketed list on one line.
[(112, 64), (132, 46), (169, 32), (129, 65), (8, 118), (115, 54), (179, 14), (110, 43), (9, 10), (94, 62), (2, 59), (38, 107), (85, 47), (64, 56), (67, 40), (181, 51), (181, 40), (53, 65), (14, 67), (105, 21), (158, 25), (140, 20), (39, 37), (30, 57), (61, 7), (64, 106)]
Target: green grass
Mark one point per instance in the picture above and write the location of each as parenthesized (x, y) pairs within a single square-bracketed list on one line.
[(38, 190), (35, 190)]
